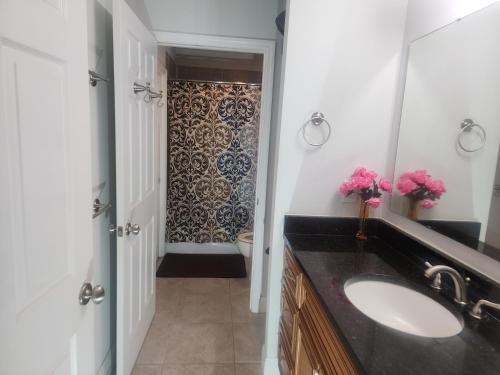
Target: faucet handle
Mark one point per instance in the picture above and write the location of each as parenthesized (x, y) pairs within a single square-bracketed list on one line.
[(436, 282), (477, 310)]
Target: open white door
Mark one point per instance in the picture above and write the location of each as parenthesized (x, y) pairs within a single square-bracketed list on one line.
[(45, 184), (136, 184)]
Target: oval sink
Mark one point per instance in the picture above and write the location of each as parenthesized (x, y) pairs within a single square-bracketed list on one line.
[(404, 309)]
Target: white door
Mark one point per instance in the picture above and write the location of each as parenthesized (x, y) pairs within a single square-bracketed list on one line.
[(136, 183), (45, 185)]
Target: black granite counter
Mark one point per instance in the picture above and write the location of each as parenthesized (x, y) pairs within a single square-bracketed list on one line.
[(329, 255)]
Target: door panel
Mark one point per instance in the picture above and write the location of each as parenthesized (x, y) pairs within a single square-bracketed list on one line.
[(135, 56), (45, 180)]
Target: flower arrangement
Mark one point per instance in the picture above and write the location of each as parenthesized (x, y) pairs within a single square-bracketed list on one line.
[(419, 187), (363, 183)]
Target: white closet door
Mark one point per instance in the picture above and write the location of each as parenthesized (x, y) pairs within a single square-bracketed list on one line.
[(45, 185), (136, 183)]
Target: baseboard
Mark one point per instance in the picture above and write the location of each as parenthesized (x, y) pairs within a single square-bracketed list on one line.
[(271, 366), (105, 368)]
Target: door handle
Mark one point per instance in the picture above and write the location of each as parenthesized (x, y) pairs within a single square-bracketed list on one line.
[(134, 229), (87, 293)]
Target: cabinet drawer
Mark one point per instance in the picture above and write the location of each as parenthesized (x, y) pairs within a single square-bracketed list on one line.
[(292, 276)]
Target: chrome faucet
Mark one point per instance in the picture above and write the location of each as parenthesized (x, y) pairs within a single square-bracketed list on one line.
[(458, 281), (477, 310)]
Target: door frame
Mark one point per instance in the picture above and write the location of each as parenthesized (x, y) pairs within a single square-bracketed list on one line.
[(246, 45)]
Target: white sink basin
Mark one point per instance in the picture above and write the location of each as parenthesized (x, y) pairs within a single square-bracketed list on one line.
[(401, 308)]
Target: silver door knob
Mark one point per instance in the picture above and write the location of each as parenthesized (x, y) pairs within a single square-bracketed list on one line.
[(134, 229), (112, 228), (87, 293)]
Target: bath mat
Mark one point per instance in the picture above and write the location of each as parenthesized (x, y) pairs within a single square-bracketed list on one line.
[(202, 265)]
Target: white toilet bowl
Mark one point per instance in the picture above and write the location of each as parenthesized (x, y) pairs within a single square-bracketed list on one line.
[(245, 243)]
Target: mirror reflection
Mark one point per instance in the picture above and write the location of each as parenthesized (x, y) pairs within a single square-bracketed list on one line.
[(447, 171)]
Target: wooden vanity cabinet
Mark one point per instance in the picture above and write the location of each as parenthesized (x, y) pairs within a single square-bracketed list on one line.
[(308, 343)]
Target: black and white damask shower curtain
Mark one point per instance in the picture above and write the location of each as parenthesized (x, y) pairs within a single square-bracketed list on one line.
[(212, 165)]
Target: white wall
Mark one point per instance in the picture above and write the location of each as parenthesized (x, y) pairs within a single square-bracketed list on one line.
[(236, 18), (341, 58), (452, 75), (100, 39)]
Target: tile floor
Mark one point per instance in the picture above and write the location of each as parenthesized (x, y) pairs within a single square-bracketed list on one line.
[(202, 327)]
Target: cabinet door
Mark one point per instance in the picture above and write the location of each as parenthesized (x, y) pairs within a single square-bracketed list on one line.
[(306, 362)]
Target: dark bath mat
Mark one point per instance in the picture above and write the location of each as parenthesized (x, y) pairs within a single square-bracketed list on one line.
[(202, 265)]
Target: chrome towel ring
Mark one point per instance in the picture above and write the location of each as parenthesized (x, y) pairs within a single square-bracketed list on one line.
[(317, 119), (466, 126)]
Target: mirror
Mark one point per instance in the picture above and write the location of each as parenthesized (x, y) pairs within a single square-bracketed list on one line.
[(447, 170)]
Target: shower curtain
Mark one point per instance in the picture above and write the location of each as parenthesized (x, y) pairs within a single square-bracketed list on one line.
[(212, 160)]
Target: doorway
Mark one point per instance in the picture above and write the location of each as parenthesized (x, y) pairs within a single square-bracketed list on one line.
[(137, 99), (214, 110), (216, 46)]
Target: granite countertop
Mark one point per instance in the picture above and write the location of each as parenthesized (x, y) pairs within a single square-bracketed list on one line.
[(330, 260)]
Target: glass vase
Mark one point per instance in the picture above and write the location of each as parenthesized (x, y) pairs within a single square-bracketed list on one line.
[(413, 210), (364, 211)]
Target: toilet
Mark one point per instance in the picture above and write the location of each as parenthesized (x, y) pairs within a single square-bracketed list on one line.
[(245, 243)]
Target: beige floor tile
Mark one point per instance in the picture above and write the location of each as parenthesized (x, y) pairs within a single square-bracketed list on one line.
[(167, 303), (198, 370), (248, 341), (239, 286), (199, 343), (240, 309), (154, 346), (248, 369), (197, 285), (147, 370), (204, 308)]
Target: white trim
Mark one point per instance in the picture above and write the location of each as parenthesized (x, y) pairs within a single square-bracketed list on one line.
[(266, 48), (271, 366)]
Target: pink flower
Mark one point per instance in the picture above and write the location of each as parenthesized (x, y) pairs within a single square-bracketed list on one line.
[(385, 185), (436, 186), (419, 176), (374, 202), (359, 182), (363, 172), (406, 186), (345, 188), (427, 203)]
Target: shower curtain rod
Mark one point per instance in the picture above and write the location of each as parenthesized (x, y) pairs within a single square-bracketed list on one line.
[(216, 82)]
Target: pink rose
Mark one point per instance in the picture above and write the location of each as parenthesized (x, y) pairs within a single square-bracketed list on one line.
[(359, 171), (385, 185), (406, 186), (374, 202), (345, 188), (363, 172), (360, 182), (427, 203), (419, 176), (436, 186)]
